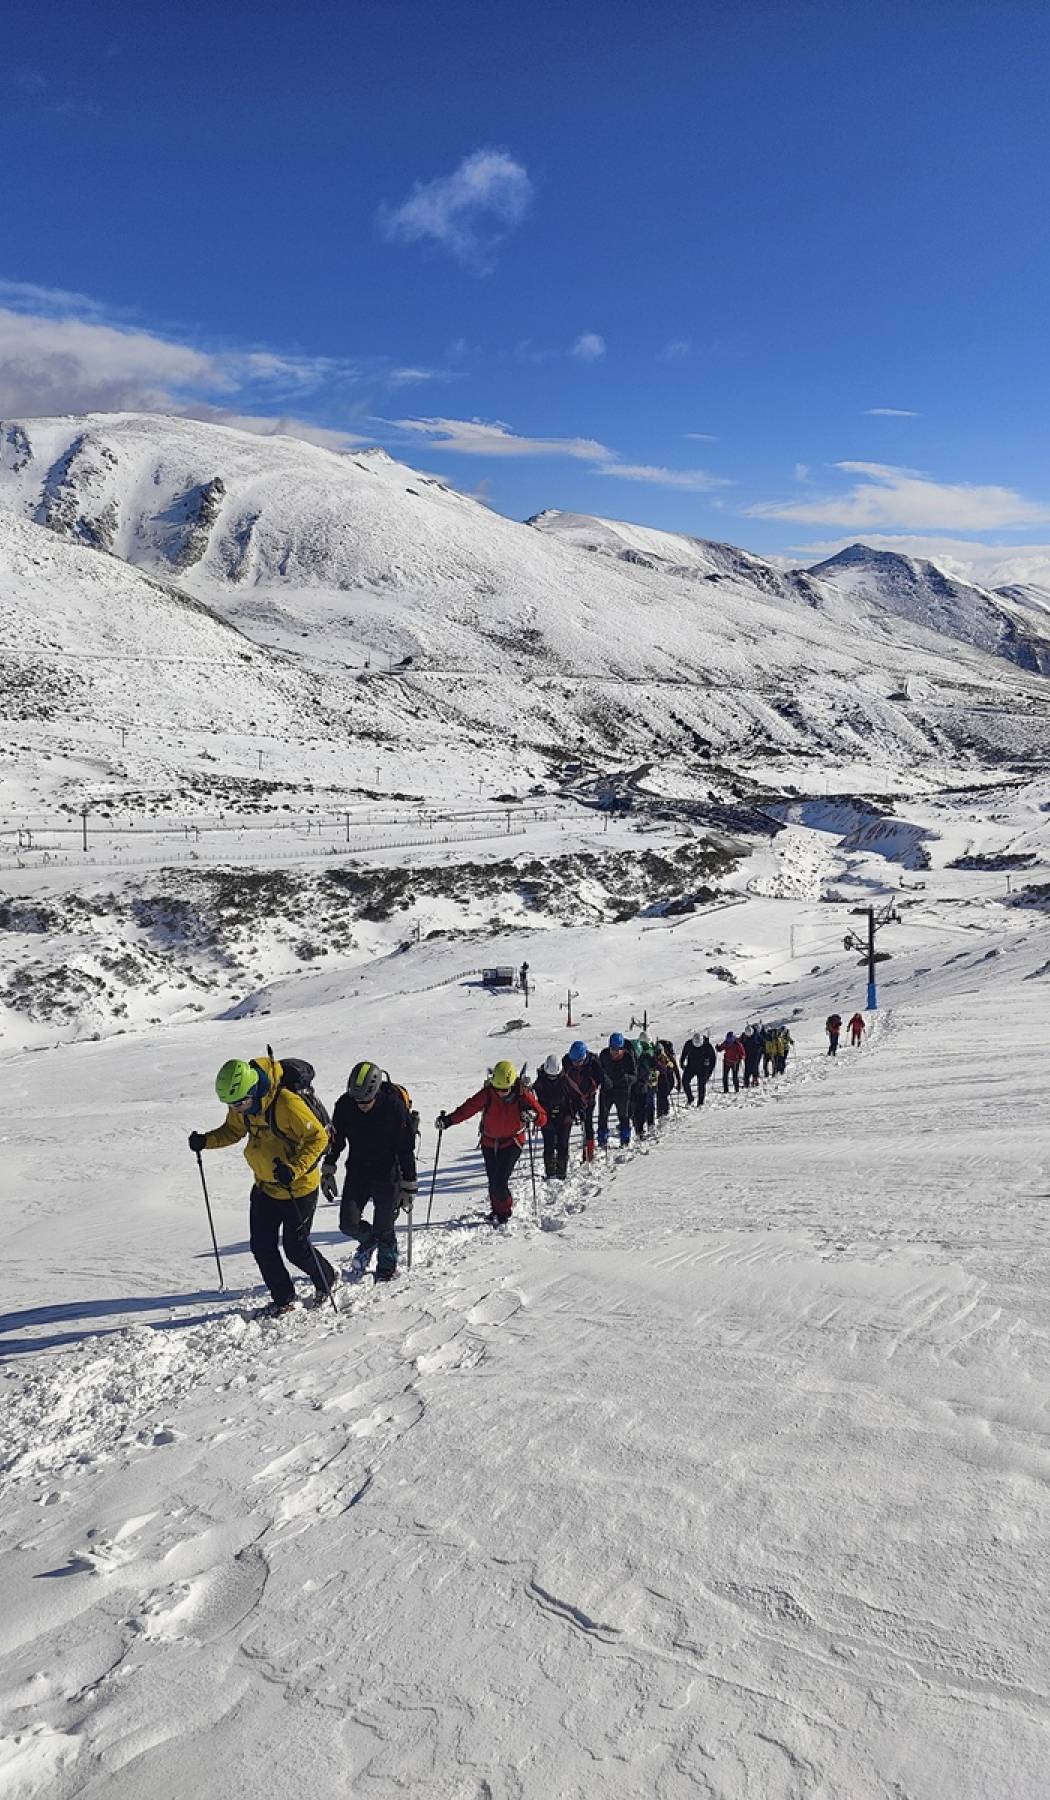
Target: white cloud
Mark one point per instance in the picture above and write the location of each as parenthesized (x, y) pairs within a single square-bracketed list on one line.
[(990, 565), (473, 437), (908, 499), (28, 296), (412, 377), (75, 365), (280, 425), (589, 346), (697, 480), (675, 351), (890, 412), (801, 471), (700, 437), (468, 212), (53, 360)]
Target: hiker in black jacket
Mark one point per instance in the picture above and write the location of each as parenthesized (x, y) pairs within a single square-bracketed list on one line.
[(698, 1063), (620, 1070), (588, 1079), (752, 1042), (558, 1098), (373, 1124)]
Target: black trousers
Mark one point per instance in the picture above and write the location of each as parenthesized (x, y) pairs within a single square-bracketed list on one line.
[(382, 1190), (499, 1166), (833, 1043), (730, 1072), (556, 1134), (619, 1099), (701, 1077), (664, 1090), (268, 1221)]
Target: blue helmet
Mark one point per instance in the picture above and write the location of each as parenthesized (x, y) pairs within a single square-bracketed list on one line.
[(578, 1052), (730, 1037), (616, 1040)]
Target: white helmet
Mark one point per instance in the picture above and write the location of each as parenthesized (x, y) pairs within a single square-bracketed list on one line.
[(552, 1066), (696, 1039)]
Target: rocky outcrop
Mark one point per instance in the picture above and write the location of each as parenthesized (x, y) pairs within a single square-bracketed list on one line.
[(76, 502), (202, 505)]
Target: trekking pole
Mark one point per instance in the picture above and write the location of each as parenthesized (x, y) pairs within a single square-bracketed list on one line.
[(532, 1166), (434, 1174), (211, 1222), (304, 1231), (408, 1210)]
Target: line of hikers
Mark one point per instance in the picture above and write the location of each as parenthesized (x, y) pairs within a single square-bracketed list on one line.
[(833, 1027), (293, 1146)]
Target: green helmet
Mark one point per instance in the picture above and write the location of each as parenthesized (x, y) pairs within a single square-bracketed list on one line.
[(235, 1081)]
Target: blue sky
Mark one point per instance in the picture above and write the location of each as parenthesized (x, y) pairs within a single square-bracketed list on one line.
[(774, 273)]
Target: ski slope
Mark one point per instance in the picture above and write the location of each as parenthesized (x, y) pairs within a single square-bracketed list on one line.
[(725, 1472)]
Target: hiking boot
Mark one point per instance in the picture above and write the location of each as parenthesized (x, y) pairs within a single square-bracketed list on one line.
[(384, 1275), (499, 1218), (277, 1309), (360, 1262)]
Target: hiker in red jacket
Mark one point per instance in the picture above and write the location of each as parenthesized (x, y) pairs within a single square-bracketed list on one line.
[(732, 1057), (833, 1025), (507, 1109), (856, 1030)]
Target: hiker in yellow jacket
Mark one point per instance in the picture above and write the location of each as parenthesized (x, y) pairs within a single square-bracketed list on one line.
[(284, 1143)]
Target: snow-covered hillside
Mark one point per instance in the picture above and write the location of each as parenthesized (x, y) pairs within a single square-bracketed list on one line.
[(724, 1471), (1009, 622), (411, 619)]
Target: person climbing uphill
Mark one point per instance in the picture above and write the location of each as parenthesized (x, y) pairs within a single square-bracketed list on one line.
[(372, 1122), (732, 1057), (618, 1067), (588, 1080), (668, 1076), (698, 1064), (643, 1094), (857, 1029), (508, 1109), (557, 1096), (284, 1147)]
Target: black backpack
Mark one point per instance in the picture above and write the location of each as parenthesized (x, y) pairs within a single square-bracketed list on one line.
[(297, 1076)]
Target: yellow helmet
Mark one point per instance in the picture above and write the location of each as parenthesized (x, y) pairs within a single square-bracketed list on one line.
[(503, 1077)]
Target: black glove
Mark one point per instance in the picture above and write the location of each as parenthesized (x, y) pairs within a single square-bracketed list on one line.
[(282, 1174), (409, 1190), (329, 1185), (441, 1122), (198, 1142)]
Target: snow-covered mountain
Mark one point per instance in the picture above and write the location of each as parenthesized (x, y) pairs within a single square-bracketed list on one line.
[(1007, 622), (1027, 594), (673, 553), (398, 614)]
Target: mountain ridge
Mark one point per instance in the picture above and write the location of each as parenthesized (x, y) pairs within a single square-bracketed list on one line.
[(412, 618)]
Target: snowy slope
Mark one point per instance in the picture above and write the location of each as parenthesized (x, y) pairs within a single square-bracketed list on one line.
[(724, 1473), (342, 561), (1003, 622), (689, 558)]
